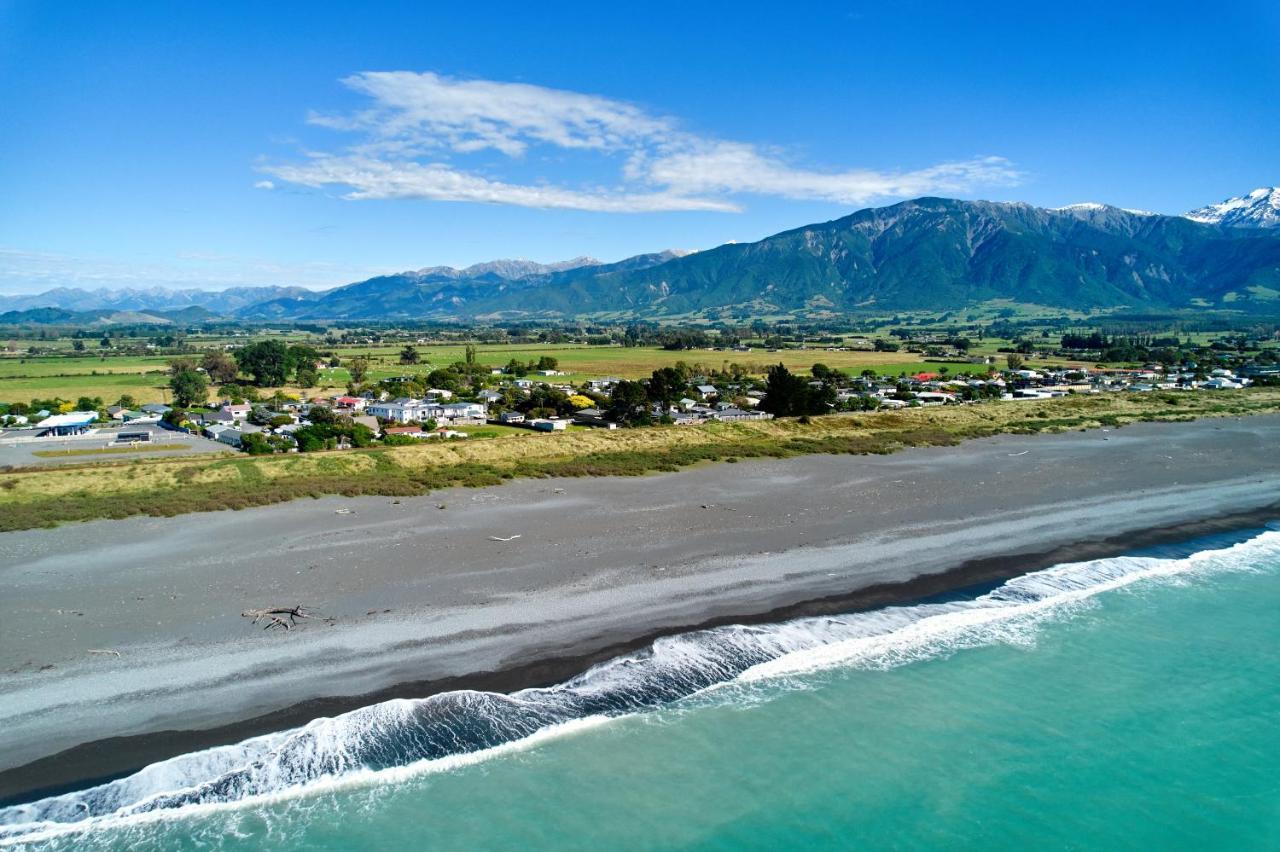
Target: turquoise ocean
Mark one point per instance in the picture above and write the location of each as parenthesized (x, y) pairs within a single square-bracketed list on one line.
[(1124, 703)]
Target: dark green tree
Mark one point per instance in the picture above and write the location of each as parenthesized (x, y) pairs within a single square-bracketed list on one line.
[(667, 385), (788, 395), (267, 361), (306, 375), (189, 388), (630, 404), (220, 366), (255, 444)]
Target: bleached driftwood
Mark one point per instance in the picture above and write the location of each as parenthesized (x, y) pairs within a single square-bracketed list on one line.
[(279, 616)]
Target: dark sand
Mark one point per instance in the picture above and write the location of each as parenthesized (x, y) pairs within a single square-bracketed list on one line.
[(422, 600)]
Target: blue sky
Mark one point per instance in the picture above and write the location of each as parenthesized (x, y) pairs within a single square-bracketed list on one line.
[(217, 144)]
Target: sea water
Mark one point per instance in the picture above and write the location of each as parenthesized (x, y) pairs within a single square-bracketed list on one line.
[(1129, 703)]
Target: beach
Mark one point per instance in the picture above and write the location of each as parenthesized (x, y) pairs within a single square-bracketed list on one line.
[(124, 643)]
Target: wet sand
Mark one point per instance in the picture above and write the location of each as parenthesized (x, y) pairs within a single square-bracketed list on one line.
[(418, 598)]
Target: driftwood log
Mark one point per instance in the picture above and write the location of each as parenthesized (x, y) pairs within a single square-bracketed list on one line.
[(284, 617)]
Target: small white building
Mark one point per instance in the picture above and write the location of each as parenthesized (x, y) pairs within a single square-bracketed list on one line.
[(543, 424), (71, 423)]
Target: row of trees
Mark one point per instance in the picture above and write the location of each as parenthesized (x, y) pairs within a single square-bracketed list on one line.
[(267, 363)]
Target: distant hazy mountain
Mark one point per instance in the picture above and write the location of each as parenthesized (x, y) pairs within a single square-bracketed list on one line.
[(1258, 209), (148, 299), (442, 291), (102, 317), (509, 269)]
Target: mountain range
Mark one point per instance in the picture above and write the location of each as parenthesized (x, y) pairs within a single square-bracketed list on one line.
[(928, 253), (149, 299)]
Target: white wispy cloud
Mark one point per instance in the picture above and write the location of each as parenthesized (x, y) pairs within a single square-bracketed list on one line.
[(369, 177), (419, 125), (426, 111), (736, 167)]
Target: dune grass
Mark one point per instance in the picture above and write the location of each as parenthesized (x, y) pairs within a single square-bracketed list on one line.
[(41, 497)]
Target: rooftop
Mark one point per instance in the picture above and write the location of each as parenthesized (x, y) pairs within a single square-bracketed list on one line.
[(71, 418)]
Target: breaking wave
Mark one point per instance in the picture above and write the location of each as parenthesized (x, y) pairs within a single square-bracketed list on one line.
[(450, 729)]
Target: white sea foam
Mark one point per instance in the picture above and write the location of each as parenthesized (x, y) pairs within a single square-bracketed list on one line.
[(36, 832), (1007, 614), (392, 740)]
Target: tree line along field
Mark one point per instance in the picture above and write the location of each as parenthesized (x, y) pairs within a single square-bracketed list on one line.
[(145, 377)]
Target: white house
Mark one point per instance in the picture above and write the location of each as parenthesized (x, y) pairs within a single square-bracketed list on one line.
[(456, 411), (403, 410)]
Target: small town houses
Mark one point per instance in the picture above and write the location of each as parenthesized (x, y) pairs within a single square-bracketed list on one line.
[(727, 400)]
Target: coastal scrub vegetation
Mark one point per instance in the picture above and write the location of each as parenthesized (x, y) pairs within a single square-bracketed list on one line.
[(41, 497)]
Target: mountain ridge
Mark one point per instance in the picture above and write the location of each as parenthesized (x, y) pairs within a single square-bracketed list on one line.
[(1258, 209), (921, 254)]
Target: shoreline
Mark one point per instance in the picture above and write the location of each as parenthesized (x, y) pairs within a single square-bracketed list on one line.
[(83, 766), (502, 627)]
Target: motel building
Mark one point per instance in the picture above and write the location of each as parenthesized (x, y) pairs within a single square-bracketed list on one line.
[(71, 423)]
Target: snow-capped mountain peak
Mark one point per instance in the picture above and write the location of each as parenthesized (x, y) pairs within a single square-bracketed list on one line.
[(1258, 209), (1094, 207)]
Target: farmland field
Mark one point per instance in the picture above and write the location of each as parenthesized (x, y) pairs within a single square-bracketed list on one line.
[(151, 387), (53, 365), (143, 376)]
